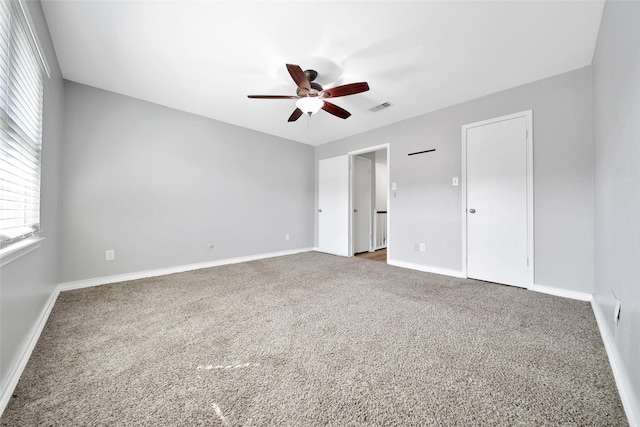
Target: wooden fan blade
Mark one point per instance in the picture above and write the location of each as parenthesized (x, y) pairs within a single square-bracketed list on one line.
[(345, 90), (295, 115), (299, 77), (335, 110), (273, 96)]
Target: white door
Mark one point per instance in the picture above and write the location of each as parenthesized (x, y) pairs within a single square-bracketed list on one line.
[(498, 200), (361, 204), (333, 208)]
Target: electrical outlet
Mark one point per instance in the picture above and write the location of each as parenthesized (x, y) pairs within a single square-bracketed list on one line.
[(423, 248), (286, 237), (110, 255)]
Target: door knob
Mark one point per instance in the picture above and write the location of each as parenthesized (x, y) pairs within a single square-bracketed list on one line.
[(472, 211), (319, 210), (355, 210)]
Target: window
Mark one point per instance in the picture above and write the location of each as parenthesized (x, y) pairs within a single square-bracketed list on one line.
[(22, 70)]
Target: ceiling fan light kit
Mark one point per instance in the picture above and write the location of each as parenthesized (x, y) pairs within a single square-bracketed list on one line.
[(311, 96), (310, 105)]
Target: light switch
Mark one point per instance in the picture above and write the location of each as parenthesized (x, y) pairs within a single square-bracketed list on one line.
[(394, 187), (454, 181)]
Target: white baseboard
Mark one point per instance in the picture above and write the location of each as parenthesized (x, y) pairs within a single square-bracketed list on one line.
[(425, 268), (627, 396), (581, 296), (171, 270), (16, 370), (559, 292), (624, 388)]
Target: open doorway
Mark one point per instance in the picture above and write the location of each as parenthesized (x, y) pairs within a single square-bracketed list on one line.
[(336, 203), (369, 202)]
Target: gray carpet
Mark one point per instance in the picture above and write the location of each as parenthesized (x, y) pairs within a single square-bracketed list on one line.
[(312, 339)]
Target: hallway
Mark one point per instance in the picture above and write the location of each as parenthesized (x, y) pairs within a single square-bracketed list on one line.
[(379, 255)]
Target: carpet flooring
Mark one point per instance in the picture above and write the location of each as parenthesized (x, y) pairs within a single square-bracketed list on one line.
[(313, 339)]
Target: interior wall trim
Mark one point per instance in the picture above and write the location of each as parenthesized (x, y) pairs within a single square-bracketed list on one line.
[(18, 367), (86, 283), (425, 268), (559, 292), (619, 372), (627, 396), (16, 370), (576, 295)]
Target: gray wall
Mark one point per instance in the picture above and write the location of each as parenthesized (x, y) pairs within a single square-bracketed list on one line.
[(616, 93), (428, 208), (29, 282), (158, 185)]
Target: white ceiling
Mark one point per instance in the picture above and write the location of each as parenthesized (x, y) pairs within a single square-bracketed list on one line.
[(205, 57)]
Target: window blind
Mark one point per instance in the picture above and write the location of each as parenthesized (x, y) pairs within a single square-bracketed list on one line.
[(21, 104)]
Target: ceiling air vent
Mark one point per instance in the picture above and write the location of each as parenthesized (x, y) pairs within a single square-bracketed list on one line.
[(380, 107)]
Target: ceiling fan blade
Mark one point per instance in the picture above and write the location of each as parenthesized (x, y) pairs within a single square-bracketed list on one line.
[(295, 115), (344, 90), (299, 77), (273, 96), (335, 110)]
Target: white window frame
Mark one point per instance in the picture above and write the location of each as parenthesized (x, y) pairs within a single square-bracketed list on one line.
[(20, 22)]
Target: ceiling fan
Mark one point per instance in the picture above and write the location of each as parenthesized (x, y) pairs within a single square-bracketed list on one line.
[(311, 96)]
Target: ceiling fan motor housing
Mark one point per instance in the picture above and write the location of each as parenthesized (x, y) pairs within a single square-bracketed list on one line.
[(315, 90), (311, 74), (315, 87)]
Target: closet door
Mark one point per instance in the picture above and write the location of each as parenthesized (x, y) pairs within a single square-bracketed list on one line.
[(333, 207)]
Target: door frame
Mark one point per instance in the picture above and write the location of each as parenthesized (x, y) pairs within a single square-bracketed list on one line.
[(370, 165), (528, 114), (352, 154)]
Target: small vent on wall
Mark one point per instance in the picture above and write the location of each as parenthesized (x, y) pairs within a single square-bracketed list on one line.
[(380, 107)]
